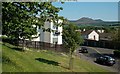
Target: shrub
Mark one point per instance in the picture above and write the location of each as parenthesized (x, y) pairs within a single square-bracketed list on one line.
[(117, 53), (9, 40)]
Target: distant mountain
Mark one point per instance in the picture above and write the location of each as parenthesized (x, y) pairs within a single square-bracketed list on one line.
[(90, 21), (86, 20)]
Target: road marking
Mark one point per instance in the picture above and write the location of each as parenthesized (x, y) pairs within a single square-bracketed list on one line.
[(95, 50)]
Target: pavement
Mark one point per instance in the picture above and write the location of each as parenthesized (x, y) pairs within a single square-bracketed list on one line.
[(94, 52)]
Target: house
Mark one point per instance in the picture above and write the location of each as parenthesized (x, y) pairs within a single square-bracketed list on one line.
[(48, 38), (98, 39), (90, 35), (101, 31)]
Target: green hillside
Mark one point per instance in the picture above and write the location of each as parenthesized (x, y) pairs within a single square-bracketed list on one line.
[(41, 61), (86, 21)]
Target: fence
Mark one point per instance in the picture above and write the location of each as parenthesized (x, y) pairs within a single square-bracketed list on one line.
[(35, 44), (102, 43), (47, 46), (42, 45)]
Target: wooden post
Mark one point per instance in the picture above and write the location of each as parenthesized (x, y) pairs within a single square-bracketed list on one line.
[(35, 44)]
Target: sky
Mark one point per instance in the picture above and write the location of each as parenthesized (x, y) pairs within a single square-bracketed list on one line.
[(98, 0), (107, 11)]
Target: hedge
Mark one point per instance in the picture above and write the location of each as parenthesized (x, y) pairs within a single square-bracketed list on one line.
[(9, 40)]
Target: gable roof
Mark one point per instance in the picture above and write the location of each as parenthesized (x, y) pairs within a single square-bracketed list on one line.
[(87, 32)]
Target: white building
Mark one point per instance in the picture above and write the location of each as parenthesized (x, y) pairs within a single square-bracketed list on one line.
[(90, 35), (50, 37), (100, 31)]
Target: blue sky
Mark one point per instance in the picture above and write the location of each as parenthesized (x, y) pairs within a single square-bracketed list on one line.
[(107, 11), (98, 0)]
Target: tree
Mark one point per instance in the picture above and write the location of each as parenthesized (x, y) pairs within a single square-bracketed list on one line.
[(72, 39), (0, 18), (116, 38), (19, 17)]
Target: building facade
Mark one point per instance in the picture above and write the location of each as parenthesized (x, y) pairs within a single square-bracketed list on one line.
[(90, 35), (54, 37)]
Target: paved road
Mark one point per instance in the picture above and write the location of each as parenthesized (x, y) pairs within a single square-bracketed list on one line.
[(94, 52)]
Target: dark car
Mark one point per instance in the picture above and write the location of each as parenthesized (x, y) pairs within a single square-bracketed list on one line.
[(106, 60), (83, 50)]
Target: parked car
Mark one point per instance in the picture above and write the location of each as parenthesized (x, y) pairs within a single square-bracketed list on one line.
[(83, 50), (106, 60)]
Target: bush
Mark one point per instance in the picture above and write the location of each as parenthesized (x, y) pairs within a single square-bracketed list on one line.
[(117, 53), (9, 40), (5, 39)]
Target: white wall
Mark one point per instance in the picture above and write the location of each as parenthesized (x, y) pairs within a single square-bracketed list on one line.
[(36, 39), (60, 39), (92, 34), (47, 36)]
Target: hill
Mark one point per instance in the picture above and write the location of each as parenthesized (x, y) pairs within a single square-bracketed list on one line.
[(91, 22), (86, 20), (42, 61)]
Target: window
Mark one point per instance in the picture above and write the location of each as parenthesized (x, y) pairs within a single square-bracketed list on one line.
[(56, 33), (54, 27)]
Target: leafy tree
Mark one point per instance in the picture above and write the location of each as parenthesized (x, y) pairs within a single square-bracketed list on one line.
[(0, 17), (19, 17), (109, 29), (116, 38), (72, 39)]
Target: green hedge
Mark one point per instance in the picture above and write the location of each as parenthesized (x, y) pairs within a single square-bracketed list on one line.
[(117, 53), (9, 40)]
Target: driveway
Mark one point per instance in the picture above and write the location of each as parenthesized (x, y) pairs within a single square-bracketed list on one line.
[(94, 52)]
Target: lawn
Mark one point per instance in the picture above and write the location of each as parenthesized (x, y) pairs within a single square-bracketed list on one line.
[(33, 60)]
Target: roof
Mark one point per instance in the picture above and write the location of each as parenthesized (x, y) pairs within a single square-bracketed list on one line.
[(105, 36), (87, 32)]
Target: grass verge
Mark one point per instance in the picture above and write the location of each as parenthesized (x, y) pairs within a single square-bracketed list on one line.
[(42, 61)]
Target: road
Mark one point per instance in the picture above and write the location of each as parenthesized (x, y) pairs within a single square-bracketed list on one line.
[(94, 52)]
